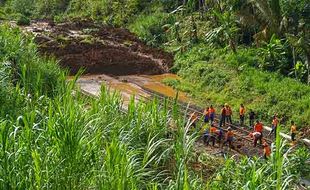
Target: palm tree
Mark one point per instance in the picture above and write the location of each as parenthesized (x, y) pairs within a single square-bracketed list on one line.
[(262, 14), (270, 12)]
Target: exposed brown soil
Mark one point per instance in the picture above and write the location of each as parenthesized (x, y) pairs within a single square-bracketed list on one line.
[(99, 49)]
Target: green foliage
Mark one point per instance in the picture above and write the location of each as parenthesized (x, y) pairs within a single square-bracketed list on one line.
[(23, 21), (278, 172), (117, 13), (24, 7), (53, 137), (216, 77), (226, 31), (68, 141), (2, 14), (150, 27), (274, 56), (171, 82), (17, 50), (47, 8)]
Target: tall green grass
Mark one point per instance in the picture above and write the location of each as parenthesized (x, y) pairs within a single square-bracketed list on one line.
[(58, 139), (53, 137), (59, 143)]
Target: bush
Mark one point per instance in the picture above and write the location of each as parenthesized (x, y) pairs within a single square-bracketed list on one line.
[(174, 83), (23, 21), (24, 7), (150, 29)]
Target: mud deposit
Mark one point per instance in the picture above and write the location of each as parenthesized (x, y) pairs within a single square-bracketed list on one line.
[(98, 49)]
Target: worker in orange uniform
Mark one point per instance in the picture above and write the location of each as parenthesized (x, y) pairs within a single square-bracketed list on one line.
[(229, 137), (211, 114), (223, 116), (206, 115), (293, 131), (242, 114), (212, 135), (258, 127), (228, 113), (194, 119), (267, 150), (274, 125)]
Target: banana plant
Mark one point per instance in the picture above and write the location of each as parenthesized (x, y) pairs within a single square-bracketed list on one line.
[(273, 54), (226, 32), (302, 45)]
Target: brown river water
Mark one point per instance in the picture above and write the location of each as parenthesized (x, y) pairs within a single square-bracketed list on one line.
[(131, 85)]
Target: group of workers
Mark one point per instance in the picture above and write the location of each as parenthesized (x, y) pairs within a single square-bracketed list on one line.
[(214, 133)]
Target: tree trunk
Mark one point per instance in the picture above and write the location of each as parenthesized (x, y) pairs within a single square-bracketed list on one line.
[(308, 65), (294, 61), (194, 36), (177, 34), (202, 8), (219, 5), (184, 2), (232, 45)]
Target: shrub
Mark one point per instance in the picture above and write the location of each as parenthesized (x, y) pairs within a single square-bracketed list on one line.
[(150, 27), (23, 21), (24, 7)]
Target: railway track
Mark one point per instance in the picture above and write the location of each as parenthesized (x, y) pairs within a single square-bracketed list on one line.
[(243, 141), (184, 111), (187, 108), (241, 134)]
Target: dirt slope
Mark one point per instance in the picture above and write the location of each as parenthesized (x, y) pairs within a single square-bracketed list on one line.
[(99, 49)]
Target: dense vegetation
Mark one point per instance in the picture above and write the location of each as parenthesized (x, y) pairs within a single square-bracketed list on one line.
[(52, 137), (241, 51)]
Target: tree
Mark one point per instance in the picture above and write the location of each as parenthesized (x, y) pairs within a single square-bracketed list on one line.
[(227, 30), (301, 43), (270, 13), (191, 8), (273, 55)]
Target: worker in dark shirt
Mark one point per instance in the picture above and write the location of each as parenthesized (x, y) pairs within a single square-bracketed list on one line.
[(223, 116), (251, 118)]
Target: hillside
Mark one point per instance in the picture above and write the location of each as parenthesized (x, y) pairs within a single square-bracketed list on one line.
[(215, 41), (53, 135)]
